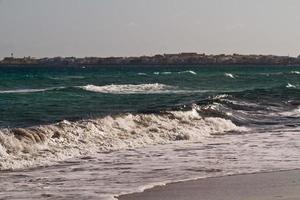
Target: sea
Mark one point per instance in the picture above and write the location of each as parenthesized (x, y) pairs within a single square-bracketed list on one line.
[(96, 132)]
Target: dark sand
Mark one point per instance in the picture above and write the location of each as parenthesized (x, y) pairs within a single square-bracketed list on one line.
[(283, 185)]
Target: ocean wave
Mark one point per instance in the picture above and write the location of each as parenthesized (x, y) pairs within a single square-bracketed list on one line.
[(295, 72), (220, 97), (290, 86), (29, 90), (292, 113), (188, 72), (47, 144), (229, 75), (154, 88), (162, 73), (129, 88), (142, 74)]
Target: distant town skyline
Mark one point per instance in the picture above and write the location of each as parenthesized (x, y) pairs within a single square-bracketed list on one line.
[(80, 28)]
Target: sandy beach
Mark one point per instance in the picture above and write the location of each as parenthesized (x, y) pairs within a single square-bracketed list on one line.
[(284, 185)]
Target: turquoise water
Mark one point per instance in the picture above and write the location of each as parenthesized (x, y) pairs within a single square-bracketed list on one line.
[(42, 95)]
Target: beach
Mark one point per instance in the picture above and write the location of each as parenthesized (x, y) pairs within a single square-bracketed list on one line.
[(149, 100), (284, 185)]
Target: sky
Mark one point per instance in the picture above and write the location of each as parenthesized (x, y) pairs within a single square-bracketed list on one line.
[(48, 28)]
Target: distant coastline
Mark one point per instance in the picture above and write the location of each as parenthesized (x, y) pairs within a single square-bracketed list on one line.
[(160, 59)]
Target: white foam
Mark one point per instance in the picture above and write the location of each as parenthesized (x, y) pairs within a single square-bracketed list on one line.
[(28, 90), (229, 75), (220, 96), (71, 139), (294, 72), (293, 113), (290, 86), (162, 73), (188, 71), (128, 88), (142, 74), (155, 88)]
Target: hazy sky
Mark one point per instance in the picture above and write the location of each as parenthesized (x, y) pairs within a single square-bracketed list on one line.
[(145, 27)]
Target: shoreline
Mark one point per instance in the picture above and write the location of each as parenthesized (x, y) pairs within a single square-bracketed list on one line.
[(160, 59), (283, 185), (184, 65)]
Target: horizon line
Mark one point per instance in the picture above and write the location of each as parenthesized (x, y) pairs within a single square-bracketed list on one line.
[(152, 55)]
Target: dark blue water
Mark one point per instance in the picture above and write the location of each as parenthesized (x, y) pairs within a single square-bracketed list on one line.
[(41, 95)]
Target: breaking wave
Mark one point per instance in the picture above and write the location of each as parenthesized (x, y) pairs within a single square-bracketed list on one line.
[(154, 88), (290, 86), (293, 113), (47, 144), (188, 72), (128, 88), (295, 72), (162, 73), (229, 75)]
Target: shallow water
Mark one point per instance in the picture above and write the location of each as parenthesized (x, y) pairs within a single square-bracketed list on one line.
[(101, 176)]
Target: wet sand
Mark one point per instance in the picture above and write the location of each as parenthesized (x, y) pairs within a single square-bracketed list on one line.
[(284, 185)]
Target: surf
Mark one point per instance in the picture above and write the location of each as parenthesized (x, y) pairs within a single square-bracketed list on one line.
[(47, 144), (188, 72), (128, 88)]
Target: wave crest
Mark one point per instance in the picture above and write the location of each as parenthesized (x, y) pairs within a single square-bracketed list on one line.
[(229, 75), (290, 86), (295, 72), (128, 88), (43, 145), (188, 72)]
